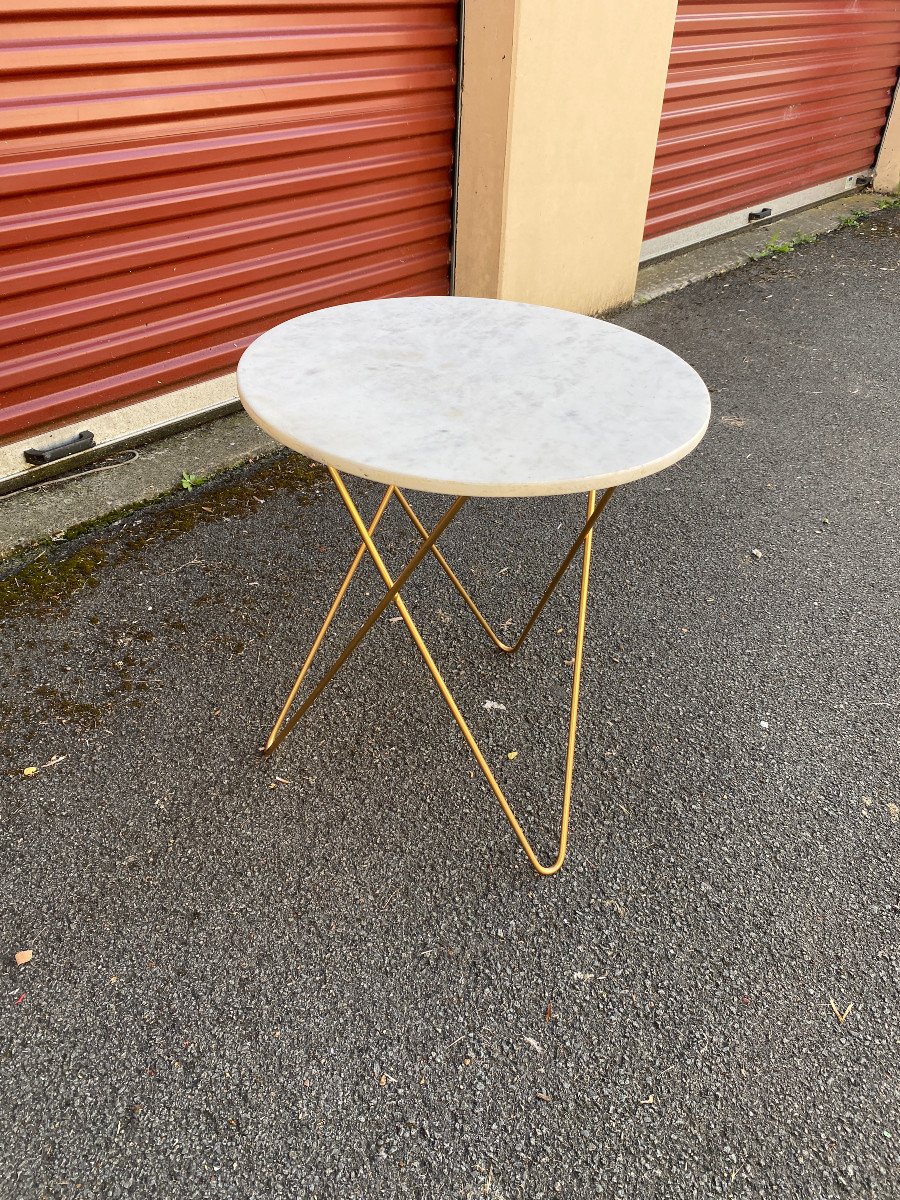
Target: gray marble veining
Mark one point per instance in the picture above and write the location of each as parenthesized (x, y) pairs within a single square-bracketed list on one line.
[(473, 397)]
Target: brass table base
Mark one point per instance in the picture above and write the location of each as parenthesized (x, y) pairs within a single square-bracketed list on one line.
[(428, 545)]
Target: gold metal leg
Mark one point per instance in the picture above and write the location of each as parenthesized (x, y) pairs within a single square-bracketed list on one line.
[(426, 546), (548, 591), (273, 737), (278, 734)]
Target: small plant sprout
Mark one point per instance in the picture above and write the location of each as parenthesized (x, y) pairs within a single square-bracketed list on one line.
[(189, 482), (777, 245), (780, 245)]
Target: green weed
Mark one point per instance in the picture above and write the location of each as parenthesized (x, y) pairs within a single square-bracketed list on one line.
[(779, 245), (188, 481)]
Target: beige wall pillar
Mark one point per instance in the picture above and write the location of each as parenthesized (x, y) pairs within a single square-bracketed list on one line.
[(887, 168), (558, 126)]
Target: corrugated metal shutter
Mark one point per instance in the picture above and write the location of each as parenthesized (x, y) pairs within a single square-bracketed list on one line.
[(764, 99), (175, 178)]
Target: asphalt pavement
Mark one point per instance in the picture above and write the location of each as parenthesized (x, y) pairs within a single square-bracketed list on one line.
[(332, 973)]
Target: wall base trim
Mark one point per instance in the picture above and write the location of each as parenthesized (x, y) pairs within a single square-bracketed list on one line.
[(679, 239), (132, 425)]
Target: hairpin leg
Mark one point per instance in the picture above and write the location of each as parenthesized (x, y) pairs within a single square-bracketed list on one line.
[(428, 545)]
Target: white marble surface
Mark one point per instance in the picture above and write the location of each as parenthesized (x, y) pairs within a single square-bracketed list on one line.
[(473, 397)]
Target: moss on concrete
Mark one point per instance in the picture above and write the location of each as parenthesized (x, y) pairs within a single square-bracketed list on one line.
[(50, 574)]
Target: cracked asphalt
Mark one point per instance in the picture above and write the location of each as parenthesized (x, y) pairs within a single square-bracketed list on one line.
[(332, 973)]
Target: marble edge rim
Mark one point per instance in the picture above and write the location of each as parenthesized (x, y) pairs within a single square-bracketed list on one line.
[(509, 491)]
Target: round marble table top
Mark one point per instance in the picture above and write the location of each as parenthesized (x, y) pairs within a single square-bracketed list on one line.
[(473, 397)]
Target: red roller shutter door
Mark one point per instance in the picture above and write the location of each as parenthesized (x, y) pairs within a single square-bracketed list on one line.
[(176, 178), (764, 99)]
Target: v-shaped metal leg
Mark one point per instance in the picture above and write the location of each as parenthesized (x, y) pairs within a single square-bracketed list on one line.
[(593, 515), (283, 726), (275, 736), (429, 545)]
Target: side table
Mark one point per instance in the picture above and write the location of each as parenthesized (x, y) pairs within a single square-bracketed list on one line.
[(469, 397)]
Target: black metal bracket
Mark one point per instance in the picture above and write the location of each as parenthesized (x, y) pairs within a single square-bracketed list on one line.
[(47, 454)]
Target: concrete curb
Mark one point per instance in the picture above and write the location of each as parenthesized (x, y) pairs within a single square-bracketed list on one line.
[(665, 275), (128, 479)]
